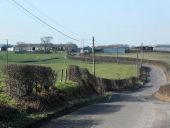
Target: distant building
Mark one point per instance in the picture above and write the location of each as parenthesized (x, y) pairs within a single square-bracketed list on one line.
[(98, 50), (22, 48), (141, 48), (162, 48), (10, 49), (120, 49), (86, 49), (3, 47)]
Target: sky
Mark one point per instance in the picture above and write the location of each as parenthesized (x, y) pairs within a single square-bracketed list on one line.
[(110, 21)]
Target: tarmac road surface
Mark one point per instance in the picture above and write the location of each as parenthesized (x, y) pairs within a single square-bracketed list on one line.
[(125, 110)]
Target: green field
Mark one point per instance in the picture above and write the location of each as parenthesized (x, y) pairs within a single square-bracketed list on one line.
[(58, 62), (165, 57)]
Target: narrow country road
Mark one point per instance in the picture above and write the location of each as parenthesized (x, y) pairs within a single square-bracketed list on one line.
[(125, 110)]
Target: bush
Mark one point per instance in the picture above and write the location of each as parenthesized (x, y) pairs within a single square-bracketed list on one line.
[(68, 89), (22, 80), (40, 102), (6, 112)]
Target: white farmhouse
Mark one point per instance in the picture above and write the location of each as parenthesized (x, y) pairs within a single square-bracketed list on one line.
[(11, 49)]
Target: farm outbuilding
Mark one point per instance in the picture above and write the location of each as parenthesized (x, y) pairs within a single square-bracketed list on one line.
[(120, 50), (141, 48), (86, 49), (162, 48), (10, 49), (21, 48)]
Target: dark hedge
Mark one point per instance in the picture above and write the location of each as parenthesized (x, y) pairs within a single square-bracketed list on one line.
[(23, 80)]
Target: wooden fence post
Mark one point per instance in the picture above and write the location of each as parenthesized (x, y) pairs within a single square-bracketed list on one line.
[(62, 75), (69, 74), (66, 76)]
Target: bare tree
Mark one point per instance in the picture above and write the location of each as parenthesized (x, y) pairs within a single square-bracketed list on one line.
[(46, 41)]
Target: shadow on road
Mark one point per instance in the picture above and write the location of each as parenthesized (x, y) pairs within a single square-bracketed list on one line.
[(127, 98), (71, 123), (123, 97), (143, 88), (99, 109)]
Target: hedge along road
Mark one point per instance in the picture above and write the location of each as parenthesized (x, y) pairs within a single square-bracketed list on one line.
[(124, 110)]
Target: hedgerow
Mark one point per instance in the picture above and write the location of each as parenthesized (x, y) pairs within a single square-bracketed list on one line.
[(23, 80)]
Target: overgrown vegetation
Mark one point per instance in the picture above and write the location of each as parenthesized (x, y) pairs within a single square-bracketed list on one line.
[(23, 79), (4, 97)]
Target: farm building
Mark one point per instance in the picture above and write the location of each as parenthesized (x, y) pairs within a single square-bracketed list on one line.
[(3, 47), (10, 49), (86, 49), (162, 48), (139, 48), (21, 48), (120, 49), (0, 48)]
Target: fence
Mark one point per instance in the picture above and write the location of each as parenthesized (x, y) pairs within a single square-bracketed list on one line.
[(63, 75), (67, 74)]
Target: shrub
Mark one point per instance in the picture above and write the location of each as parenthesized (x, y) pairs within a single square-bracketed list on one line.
[(22, 80), (7, 113), (68, 88), (40, 102)]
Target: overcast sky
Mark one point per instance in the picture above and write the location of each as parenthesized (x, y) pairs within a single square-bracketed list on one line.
[(110, 21)]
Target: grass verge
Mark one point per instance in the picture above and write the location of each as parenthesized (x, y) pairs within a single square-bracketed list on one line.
[(40, 118)]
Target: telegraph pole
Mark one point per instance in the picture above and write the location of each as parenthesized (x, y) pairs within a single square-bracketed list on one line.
[(94, 70), (142, 54), (137, 68), (7, 52), (117, 54)]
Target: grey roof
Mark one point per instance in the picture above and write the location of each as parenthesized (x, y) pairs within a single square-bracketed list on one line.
[(163, 46), (112, 46)]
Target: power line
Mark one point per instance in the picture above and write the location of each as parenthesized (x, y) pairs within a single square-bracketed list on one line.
[(27, 14), (44, 22), (50, 18)]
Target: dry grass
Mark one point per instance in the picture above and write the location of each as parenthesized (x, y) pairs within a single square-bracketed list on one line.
[(163, 93)]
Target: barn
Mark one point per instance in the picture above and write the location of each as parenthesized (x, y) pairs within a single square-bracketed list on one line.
[(115, 49), (162, 48)]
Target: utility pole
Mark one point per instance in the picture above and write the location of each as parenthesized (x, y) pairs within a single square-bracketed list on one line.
[(94, 70), (117, 54), (142, 54), (137, 68), (7, 52)]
